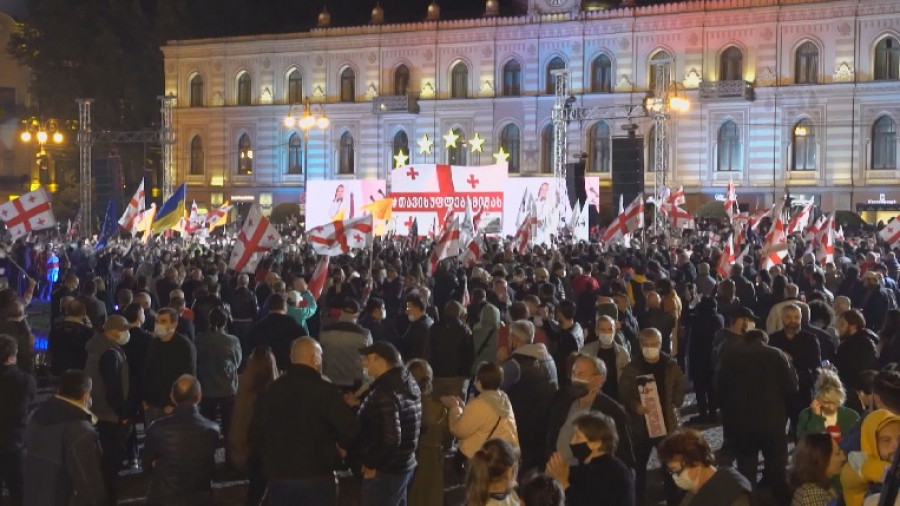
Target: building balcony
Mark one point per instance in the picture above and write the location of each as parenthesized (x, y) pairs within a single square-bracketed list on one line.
[(723, 90), (393, 104)]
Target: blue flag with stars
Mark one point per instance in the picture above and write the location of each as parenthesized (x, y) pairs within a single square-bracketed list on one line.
[(110, 225)]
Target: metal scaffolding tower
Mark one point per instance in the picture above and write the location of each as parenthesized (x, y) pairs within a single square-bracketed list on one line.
[(87, 138)]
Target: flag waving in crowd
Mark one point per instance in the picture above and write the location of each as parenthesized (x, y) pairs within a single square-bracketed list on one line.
[(255, 238), (134, 208), (28, 213), (339, 237)]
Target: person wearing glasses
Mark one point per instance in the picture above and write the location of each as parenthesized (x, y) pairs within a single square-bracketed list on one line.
[(688, 458)]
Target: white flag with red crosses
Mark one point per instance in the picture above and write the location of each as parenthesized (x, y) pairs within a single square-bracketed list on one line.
[(255, 238), (338, 237), (27, 213)]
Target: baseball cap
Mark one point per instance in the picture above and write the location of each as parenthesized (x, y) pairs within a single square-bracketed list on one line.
[(743, 312), (350, 306), (384, 350), (117, 323)]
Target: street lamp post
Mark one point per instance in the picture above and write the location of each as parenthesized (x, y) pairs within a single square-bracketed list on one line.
[(303, 117), (667, 97), (42, 132)]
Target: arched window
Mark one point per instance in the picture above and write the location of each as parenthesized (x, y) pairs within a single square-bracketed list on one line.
[(731, 65), (884, 144), (196, 156), (457, 155), (295, 87), (660, 69), (600, 147), (348, 85), (347, 155), (245, 84), (245, 155), (601, 74), (804, 145), (651, 150), (509, 141), (512, 79), (729, 148), (401, 80), (295, 154), (459, 81), (556, 63), (547, 149), (806, 64), (887, 59), (401, 143), (197, 91)]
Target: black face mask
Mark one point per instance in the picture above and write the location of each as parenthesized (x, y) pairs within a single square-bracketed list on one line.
[(579, 389), (581, 451)]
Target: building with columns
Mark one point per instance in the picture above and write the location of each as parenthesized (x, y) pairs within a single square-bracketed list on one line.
[(796, 96)]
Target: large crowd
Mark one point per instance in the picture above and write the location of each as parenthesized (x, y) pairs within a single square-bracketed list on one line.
[(544, 379)]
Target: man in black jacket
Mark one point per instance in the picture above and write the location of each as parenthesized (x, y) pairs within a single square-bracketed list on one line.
[(583, 395), (277, 330), (375, 319), (802, 349), (856, 353), (67, 340), (169, 356), (390, 417), (63, 458), (179, 453), (17, 390), (754, 408), (566, 337), (244, 311), (412, 344), (299, 422), (450, 351)]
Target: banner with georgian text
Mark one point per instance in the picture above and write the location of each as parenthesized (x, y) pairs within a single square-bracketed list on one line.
[(427, 192), (341, 199)]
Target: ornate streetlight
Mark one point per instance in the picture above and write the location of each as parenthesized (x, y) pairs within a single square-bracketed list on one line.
[(42, 132)]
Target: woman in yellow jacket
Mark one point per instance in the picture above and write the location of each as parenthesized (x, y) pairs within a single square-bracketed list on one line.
[(879, 439)]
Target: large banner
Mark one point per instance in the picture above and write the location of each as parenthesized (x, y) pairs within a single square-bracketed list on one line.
[(341, 199), (518, 192), (425, 193)]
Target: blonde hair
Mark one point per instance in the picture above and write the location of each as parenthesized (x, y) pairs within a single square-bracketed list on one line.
[(829, 388)]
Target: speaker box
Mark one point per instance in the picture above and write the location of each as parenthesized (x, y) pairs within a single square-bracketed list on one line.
[(575, 182), (627, 168)]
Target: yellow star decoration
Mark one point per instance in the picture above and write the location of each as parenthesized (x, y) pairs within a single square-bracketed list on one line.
[(450, 139), (501, 156), (400, 159), (477, 143), (425, 145)]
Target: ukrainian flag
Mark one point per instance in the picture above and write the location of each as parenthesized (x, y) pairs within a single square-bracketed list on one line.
[(171, 211)]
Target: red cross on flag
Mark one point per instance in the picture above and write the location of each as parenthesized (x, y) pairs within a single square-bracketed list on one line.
[(800, 220), (630, 219), (726, 259), (28, 212), (317, 281), (730, 200), (776, 246), (527, 230), (682, 219), (133, 209), (446, 246), (825, 250), (218, 217), (673, 200), (891, 233), (338, 237), (255, 238), (814, 230)]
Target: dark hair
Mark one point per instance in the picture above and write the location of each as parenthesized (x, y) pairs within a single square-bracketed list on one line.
[(416, 301), (518, 311), (73, 384), (757, 335), (132, 311), (865, 381), (89, 287), (177, 303), (218, 318), (452, 310), (423, 374), (169, 312), (488, 465), (819, 311), (598, 427), (490, 375), (688, 445), (566, 309), (372, 304), (854, 317), (810, 461), (186, 390), (276, 302), (887, 388), (75, 308), (542, 490), (8, 347), (260, 369)]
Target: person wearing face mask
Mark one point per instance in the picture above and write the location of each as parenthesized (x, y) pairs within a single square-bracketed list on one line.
[(614, 356), (827, 413), (414, 339), (375, 319), (670, 386), (688, 459), (599, 473), (113, 404), (63, 458), (169, 355), (299, 422), (583, 395)]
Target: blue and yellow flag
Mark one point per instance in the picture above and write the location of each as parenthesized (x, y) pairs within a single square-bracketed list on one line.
[(171, 211)]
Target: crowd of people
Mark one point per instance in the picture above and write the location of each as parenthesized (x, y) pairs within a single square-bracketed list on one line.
[(547, 378)]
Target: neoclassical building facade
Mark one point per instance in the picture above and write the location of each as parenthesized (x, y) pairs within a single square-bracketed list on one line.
[(798, 96)]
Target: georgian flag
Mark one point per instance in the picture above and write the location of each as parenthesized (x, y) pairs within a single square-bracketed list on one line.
[(255, 238), (27, 213), (339, 237), (727, 258), (133, 209), (891, 233), (527, 229), (776, 247), (800, 220), (730, 200), (825, 250), (682, 219), (447, 244)]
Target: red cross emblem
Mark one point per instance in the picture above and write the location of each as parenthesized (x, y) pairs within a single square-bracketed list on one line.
[(357, 238), (412, 173), (408, 222), (23, 216), (472, 181)]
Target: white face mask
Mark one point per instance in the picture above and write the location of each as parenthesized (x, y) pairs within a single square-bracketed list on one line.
[(384, 314), (685, 482), (751, 326), (124, 337), (606, 338), (650, 353), (161, 330), (411, 317)]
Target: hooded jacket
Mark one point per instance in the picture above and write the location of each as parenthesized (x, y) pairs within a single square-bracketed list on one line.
[(484, 335), (530, 380), (488, 416), (865, 467)]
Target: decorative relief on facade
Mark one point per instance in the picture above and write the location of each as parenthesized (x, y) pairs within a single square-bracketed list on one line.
[(844, 73), (217, 100), (267, 63), (693, 39), (844, 29), (624, 43), (265, 97), (767, 34), (372, 58), (429, 55), (318, 92), (371, 91), (319, 61), (486, 52), (692, 78)]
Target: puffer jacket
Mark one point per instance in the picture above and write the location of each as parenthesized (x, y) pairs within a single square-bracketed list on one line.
[(450, 349), (488, 416), (390, 418), (62, 465), (179, 454)]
